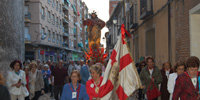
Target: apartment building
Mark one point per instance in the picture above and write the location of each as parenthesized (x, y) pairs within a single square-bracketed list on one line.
[(43, 29)]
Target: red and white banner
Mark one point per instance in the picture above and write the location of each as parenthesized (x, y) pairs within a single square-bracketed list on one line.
[(121, 78)]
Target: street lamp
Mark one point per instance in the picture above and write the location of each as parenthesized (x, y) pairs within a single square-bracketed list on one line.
[(115, 21), (116, 24)]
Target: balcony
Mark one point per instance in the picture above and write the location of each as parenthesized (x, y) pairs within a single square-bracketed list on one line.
[(65, 6), (66, 21), (65, 44), (28, 17), (133, 25), (66, 34), (43, 17), (66, 17), (146, 9)]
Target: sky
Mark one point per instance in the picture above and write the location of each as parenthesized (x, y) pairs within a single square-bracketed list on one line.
[(101, 7)]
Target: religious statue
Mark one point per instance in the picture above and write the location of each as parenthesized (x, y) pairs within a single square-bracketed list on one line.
[(94, 26)]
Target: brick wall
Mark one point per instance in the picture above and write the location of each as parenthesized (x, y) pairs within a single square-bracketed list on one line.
[(182, 27)]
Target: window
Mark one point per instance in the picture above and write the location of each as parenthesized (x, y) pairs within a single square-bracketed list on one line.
[(60, 8), (56, 5), (43, 13), (26, 10), (53, 3), (57, 21), (57, 39), (114, 5), (46, 30), (53, 20), (42, 31), (150, 43), (49, 16), (53, 37), (43, 34), (26, 34), (60, 23), (146, 8), (60, 40), (49, 1), (72, 44), (49, 39), (46, 12)]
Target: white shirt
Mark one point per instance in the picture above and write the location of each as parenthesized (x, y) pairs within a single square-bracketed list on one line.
[(13, 78), (194, 81), (171, 83), (151, 72), (167, 73)]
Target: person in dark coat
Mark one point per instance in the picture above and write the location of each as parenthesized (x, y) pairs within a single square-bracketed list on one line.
[(4, 93), (165, 71), (150, 73)]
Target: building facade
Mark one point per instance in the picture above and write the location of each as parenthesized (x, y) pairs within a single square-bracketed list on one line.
[(167, 30), (114, 28), (84, 34), (112, 5), (119, 16), (186, 28), (43, 29), (51, 31)]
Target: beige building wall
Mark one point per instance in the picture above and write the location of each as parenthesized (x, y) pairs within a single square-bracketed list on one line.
[(37, 23), (194, 31), (161, 37), (159, 23)]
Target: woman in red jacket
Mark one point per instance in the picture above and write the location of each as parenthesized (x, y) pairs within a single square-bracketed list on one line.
[(93, 85), (187, 85)]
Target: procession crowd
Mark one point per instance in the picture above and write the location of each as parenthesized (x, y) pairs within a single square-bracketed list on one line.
[(81, 80)]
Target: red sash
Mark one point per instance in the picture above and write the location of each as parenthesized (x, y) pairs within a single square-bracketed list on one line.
[(78, 90)]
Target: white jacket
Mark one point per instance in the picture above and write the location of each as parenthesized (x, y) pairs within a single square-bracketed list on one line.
[(171, 83), (13, 78)]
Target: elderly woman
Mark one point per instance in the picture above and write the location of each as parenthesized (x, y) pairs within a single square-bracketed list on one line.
[(187, 85), (36, 82), (93, 85), (74, 90), (179, 69), (165, 71), (16, 81), (26, 70)]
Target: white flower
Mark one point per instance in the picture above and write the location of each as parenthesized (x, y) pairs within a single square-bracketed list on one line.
[(92, 85)]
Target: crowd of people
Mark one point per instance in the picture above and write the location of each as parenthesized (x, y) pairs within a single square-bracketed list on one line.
[(81, 80), (180, 82)]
